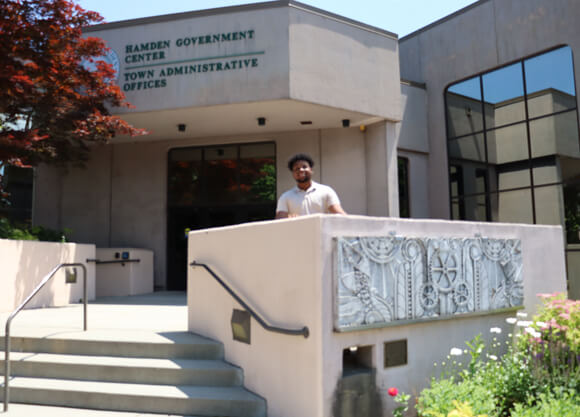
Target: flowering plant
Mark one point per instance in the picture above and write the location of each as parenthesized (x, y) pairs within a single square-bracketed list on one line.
[(400, 398), (539, 373)]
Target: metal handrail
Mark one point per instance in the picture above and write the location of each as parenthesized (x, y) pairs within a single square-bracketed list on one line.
[(7, 346), (294, 332), (114, 261)]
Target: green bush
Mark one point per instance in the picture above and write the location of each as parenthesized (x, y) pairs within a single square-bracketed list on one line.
[(438, 399), (9, 230), (549, 405)]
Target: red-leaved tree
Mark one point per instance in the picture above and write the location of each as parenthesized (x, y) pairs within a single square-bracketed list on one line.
[(55, 91)]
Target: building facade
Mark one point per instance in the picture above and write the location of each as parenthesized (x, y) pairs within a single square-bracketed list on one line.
[(471, 118)]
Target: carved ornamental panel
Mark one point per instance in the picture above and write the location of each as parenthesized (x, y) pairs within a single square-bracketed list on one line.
[(382, 280)]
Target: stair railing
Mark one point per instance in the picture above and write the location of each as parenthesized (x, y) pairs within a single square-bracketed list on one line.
[(294, 332), (7, 346)]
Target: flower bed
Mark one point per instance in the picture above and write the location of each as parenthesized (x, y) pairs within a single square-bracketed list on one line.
[(538, 374)]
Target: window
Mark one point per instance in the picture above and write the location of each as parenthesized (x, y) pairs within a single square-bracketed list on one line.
[(512, 141), (403, 173), (18, 184)]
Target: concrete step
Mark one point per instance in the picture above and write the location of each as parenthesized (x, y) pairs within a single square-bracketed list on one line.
[(170, 373), (176, 345), (149, 398), (178, 371)]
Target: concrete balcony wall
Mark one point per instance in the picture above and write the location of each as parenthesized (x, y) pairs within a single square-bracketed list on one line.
[(25, 264), (285, 271)]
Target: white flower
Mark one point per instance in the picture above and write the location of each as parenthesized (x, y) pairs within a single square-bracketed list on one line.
[(532, 331), (541, 325), (495, 330), (522, 314), (493, 357), (456, 352), (511, 320), (524, 323)]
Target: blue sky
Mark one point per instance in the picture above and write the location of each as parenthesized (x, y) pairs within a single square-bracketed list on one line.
[(399, 16)]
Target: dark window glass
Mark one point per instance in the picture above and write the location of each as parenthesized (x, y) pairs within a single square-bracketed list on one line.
[(464, 109), (185, 171), (229, 174), (503, 95), (18, 184), (572, 211), (403, 173), (221, 173), (258, 172), (456, 189)]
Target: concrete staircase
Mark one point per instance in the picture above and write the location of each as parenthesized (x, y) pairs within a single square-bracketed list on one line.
[(182, 374)]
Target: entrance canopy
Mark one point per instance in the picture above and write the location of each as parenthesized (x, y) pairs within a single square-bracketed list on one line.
[(219, 71)]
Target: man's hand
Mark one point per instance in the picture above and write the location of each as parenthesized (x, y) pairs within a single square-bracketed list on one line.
[(336, 209)]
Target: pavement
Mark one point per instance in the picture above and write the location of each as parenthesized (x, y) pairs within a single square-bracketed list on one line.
[(140, 318)]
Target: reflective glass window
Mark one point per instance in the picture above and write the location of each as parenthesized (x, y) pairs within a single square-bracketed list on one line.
[(550, 82), (555, 135), (545, 171), (503, 95), (464, 108), (514, 207), (513, 138), (549, 204), (508, 144), (513, 176), (470, 147)]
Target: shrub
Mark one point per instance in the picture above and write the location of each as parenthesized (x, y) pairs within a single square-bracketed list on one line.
[(549, 405), (9, 230), (439, 398)]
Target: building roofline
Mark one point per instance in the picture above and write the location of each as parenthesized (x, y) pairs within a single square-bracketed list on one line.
[(240, 8), (443, 20)]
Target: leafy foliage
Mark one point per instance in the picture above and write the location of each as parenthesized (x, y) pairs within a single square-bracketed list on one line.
[(550, 405), (55, 88), (23, 232), (539, 375)]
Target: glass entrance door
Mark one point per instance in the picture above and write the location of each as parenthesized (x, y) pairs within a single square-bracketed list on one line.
[(215, 186)]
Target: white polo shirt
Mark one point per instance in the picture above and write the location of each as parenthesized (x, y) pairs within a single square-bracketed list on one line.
[(316, 199)]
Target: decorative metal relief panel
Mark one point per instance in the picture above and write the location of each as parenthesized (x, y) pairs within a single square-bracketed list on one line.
[(380, 280)]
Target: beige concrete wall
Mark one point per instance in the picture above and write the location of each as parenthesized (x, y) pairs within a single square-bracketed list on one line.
[(25, 263), (286, 274), (122, 279), (382, 193), (295, 53), (338, 65), (278, 274)]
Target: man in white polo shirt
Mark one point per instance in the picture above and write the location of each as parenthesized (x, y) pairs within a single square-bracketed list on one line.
[(308, 197)]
